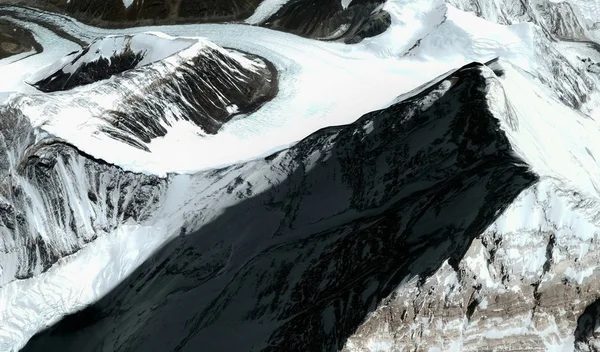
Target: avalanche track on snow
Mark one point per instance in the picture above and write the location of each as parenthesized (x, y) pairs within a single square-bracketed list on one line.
[(378, 188)]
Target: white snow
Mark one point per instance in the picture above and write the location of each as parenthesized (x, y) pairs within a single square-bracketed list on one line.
[(589, 10), (547, 134), (543, 210), (465, 37), (321, 84), (154, 46), (66, 288), (266, 9), (579, 275), (346, 3)]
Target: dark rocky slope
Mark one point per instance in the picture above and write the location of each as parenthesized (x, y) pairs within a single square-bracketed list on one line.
[(198, 82), (329, 20), (54, 199), (325, 19), (348, 214), (15, 39)]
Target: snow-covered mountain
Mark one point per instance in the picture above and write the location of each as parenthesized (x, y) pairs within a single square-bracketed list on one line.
[(135, 89), (321, 232), (346, 20), (356, 175)]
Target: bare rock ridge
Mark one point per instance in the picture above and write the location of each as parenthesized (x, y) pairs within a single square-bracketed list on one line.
[(321, 235), (106, 57), (160, 80), (328, 20), (55, 198), (115, 13), (586, 338), (15, 39), (496, 297), (76, 199), (555, 18)]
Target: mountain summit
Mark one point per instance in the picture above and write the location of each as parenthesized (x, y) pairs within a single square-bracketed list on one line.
[(299, 175)]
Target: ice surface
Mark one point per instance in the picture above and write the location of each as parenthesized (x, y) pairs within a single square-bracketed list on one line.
[(588, 9), (321, 84)]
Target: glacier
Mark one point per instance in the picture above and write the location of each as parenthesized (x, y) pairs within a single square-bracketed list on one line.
[(257, 237), (392, 174)]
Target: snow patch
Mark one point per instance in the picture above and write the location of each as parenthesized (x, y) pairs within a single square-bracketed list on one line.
[(153, 46), (320, 83), (346, 3), (266, 9), (578, 275)]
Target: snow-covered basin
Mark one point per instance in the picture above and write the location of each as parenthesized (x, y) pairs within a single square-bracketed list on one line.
[(320, 84)]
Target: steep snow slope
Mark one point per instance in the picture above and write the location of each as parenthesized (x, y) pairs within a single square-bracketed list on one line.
[(590, 11), (570, 19), (557, 17), (320, 84), (526, 279), (265, 10), (319, 234), (542, 113), (109, 56), (117, 106)]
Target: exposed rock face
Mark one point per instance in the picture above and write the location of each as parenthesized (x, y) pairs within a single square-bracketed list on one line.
[(119, 13), (106, 57), (588, 324), (325, 231), (529, 282), (157, 81), (325, 19), (15, 39), (417, 227), (521, 286), (55, 200), (557, 18), (330, 20)]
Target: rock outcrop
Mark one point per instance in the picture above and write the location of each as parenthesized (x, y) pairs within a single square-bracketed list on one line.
[(325, 19), (325, 231), (15, 39)]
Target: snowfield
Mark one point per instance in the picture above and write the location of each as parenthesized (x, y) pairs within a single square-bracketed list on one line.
[(321, 84), (151, 46)]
